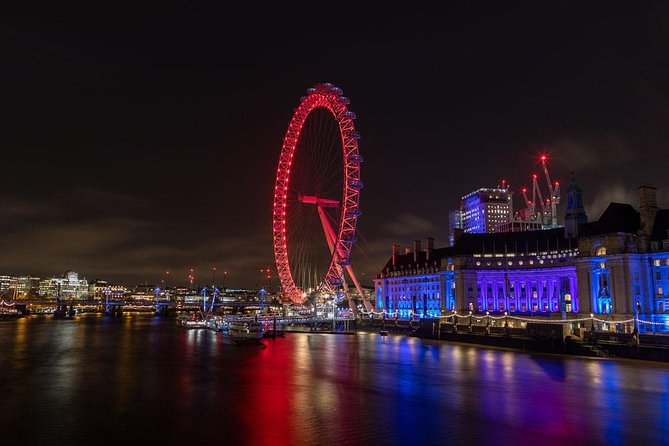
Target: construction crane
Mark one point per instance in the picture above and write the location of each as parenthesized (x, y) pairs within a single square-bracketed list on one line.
[(537, 191), (553, 191), (529, 210)]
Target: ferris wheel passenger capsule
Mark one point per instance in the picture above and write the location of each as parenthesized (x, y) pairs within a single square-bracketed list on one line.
[(336, 90), (350, 238), (344, 262), (356, 158), (355, 212), (327, 84), (355, 135), (311, 90), (349, 115), (355, 184), (343, 100)]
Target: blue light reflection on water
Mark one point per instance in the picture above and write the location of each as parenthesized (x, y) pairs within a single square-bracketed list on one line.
[(101, 380)]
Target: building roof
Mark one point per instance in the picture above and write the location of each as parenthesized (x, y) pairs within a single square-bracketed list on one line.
[(489, 243), (618, 217), (661, 225), (516, 242), (407, 260)]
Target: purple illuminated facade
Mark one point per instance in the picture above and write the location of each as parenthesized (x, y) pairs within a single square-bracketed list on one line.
[(530, 272)]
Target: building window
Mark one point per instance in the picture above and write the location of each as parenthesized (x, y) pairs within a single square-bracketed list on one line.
[(658, 276), (601, 251), (656, 262), (660, 291)]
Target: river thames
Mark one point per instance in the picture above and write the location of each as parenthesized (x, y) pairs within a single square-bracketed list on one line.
[(98, 380)]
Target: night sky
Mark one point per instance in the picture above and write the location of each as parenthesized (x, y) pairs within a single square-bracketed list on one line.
[(139, 141)]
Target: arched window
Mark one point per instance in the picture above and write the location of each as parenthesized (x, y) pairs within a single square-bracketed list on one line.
[(600, 251)]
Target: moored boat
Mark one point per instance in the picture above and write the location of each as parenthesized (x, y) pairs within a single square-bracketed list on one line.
[(191, 322), (245, 332)]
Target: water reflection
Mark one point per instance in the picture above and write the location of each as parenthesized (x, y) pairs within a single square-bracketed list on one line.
[(96, 377)]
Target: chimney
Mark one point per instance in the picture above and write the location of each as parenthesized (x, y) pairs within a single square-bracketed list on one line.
[(430, 247), (396, 253), (647, 208), (416, 250)]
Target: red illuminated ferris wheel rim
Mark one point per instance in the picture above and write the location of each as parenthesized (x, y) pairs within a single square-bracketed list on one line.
[(329, 97)]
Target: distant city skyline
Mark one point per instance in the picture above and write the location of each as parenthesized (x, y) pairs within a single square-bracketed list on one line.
[(137, 145)]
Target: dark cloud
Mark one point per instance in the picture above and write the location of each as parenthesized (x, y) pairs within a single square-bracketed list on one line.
[(135, 143)]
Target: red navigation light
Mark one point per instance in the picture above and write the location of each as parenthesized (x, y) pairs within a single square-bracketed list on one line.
[(523, 190), (557, 184), (534, 175), (543, 157)]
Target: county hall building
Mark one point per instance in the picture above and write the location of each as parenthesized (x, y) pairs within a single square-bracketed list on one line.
[(614, 266)]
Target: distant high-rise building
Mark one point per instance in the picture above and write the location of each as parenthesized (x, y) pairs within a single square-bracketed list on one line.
[(69, 286), (484, 209), (5, 282), (101, 289), (26, 286), (454, 224), (19, 286)]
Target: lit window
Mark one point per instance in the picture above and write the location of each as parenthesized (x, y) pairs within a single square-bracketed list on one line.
[(601, 251), (656, 262), (660, 291)]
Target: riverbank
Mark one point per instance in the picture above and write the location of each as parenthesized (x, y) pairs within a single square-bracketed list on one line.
[(545, 338)]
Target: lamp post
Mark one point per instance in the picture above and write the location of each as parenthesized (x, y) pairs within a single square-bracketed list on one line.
[(592, 326), (167, 278)]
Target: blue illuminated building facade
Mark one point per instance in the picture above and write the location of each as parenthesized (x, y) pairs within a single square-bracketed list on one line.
[(416, 284), (623, 267), (617, 266)]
